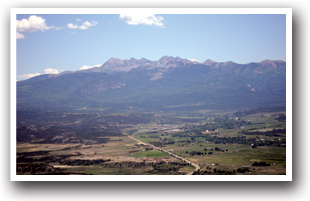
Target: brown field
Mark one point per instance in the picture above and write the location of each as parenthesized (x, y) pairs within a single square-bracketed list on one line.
[(120, 155)]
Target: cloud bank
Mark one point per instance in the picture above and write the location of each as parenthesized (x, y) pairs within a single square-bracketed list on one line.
[(146, 19), (51, 71), (46, 71), (85, 67), (193, 60), (27, 76)]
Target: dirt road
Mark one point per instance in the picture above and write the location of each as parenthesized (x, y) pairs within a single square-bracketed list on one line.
[(170, 153)]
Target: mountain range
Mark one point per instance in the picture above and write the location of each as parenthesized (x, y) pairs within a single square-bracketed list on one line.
[(171, 83)]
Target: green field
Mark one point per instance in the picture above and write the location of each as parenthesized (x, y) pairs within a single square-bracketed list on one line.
[(152, 153)]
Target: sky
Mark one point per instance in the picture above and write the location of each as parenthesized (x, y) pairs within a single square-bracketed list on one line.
[(53, 43)]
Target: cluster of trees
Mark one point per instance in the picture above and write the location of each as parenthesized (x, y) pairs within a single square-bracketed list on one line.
[(79, 162), (175, 120), (63, 135), (225, 122), (167, 168), (215, 172), (163, 143), (193, 153), (72, 148), (277, 143), (274, 132), (160, 167), (89, 118), (281, 118), (38, 168), (258, 110), (205, 152), (212, 138), (148, 148), (260, 164), (253, 141), (231, 140), (42, 157), (242, 170), (216, 149)]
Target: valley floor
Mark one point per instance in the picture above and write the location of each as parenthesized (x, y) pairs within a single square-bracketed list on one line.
[(250, 144)]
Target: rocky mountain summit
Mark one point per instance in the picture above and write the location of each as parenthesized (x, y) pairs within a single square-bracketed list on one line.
[(117, 65)]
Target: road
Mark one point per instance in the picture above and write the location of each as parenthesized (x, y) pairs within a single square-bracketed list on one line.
[(170, 153)]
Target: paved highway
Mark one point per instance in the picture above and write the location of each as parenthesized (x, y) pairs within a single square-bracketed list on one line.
[(170, 153)]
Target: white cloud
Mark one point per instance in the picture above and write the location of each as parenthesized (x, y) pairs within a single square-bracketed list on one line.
[(193, 60), (72, 26), (46, 71), (27, 76), (88, 24), (51, 71), (147, 19), (19, 35), (77, 19), (32, 24), (84, 26), (85, 67)]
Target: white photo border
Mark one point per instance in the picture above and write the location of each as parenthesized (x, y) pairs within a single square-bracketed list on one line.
[(289, 97)]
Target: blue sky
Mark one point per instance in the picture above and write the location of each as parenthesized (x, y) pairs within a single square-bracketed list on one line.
[(56, 42)]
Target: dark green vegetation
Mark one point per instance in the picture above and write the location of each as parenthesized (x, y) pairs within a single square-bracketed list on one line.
[(63, 127)]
